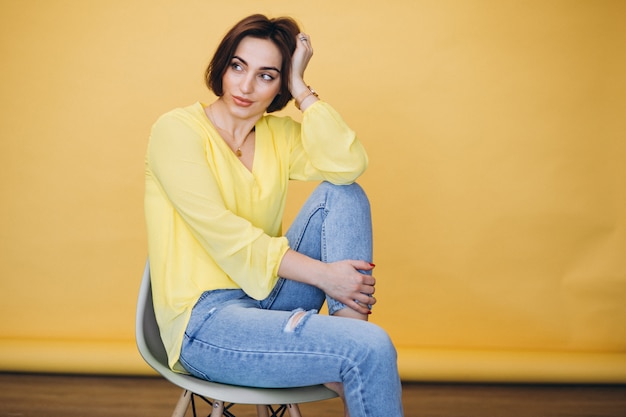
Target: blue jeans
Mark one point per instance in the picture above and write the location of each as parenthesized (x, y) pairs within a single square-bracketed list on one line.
[(234, 339)]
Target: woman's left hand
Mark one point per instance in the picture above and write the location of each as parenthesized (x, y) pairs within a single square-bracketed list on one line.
[(299, 61)]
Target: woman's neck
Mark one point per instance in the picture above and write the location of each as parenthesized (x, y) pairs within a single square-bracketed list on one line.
[(235, 129)]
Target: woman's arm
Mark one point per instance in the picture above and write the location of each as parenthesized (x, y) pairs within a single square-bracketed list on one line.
[(325, 147), (339, 280)]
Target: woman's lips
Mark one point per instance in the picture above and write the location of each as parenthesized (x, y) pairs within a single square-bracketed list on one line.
[(242, 102)]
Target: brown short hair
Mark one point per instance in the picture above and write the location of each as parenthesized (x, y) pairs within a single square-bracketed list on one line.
[(281, 31)]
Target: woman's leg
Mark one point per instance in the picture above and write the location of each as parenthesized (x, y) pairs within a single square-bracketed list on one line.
[(285, 343), (334, 224), (238, 343)]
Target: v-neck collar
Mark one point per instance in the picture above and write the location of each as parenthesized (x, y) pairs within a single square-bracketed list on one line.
[(222, 143)]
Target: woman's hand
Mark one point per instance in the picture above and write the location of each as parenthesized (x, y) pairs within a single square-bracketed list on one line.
[(345, 283), (342, 280), (299, 61)]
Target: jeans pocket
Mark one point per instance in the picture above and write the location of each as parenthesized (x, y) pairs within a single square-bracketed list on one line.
[(199, 318)]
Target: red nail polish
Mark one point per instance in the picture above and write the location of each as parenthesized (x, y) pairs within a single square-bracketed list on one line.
[(373, 265)]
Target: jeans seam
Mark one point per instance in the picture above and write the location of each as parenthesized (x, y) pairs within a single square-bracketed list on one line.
[(310, 216)]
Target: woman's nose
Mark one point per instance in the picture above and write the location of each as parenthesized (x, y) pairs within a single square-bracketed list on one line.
[(247, 83)]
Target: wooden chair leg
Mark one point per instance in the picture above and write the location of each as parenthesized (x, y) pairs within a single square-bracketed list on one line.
[(261, 411), (218, 408), (182, 404), (294, 410)]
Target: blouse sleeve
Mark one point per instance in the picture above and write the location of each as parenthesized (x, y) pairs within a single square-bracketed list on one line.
[(326, 148), (177, 160)]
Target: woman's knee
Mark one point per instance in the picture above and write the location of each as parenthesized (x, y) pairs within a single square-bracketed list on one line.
[(380, 343), (376, 346), (350, 194)]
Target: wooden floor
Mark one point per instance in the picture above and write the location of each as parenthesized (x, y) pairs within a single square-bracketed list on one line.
[(26, 395)]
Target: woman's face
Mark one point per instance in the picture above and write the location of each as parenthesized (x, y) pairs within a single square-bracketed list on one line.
[(252, 79)]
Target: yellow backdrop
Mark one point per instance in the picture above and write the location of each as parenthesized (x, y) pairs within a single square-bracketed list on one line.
[(496, 131)]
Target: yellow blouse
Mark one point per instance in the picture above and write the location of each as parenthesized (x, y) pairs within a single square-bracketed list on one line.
[(212, 223)]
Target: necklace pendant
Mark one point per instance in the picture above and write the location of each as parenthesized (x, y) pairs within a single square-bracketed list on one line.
[(238, 152)]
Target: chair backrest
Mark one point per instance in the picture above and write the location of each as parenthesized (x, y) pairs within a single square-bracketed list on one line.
[(147, 334)]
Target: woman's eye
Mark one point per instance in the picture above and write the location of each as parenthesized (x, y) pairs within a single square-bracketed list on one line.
[(267, 77), (236, 66)]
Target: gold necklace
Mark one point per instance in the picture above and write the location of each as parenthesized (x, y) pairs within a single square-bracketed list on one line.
[(238, 151), (222, 131)]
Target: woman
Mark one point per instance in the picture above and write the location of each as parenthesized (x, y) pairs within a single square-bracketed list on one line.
[(216, 184)]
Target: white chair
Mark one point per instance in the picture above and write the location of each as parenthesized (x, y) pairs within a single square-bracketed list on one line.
[(152, 350)]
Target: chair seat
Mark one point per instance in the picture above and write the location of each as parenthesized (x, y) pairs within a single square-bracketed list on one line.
[(250, 395)]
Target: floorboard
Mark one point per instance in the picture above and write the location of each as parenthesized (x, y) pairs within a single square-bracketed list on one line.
[(33, 395)]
